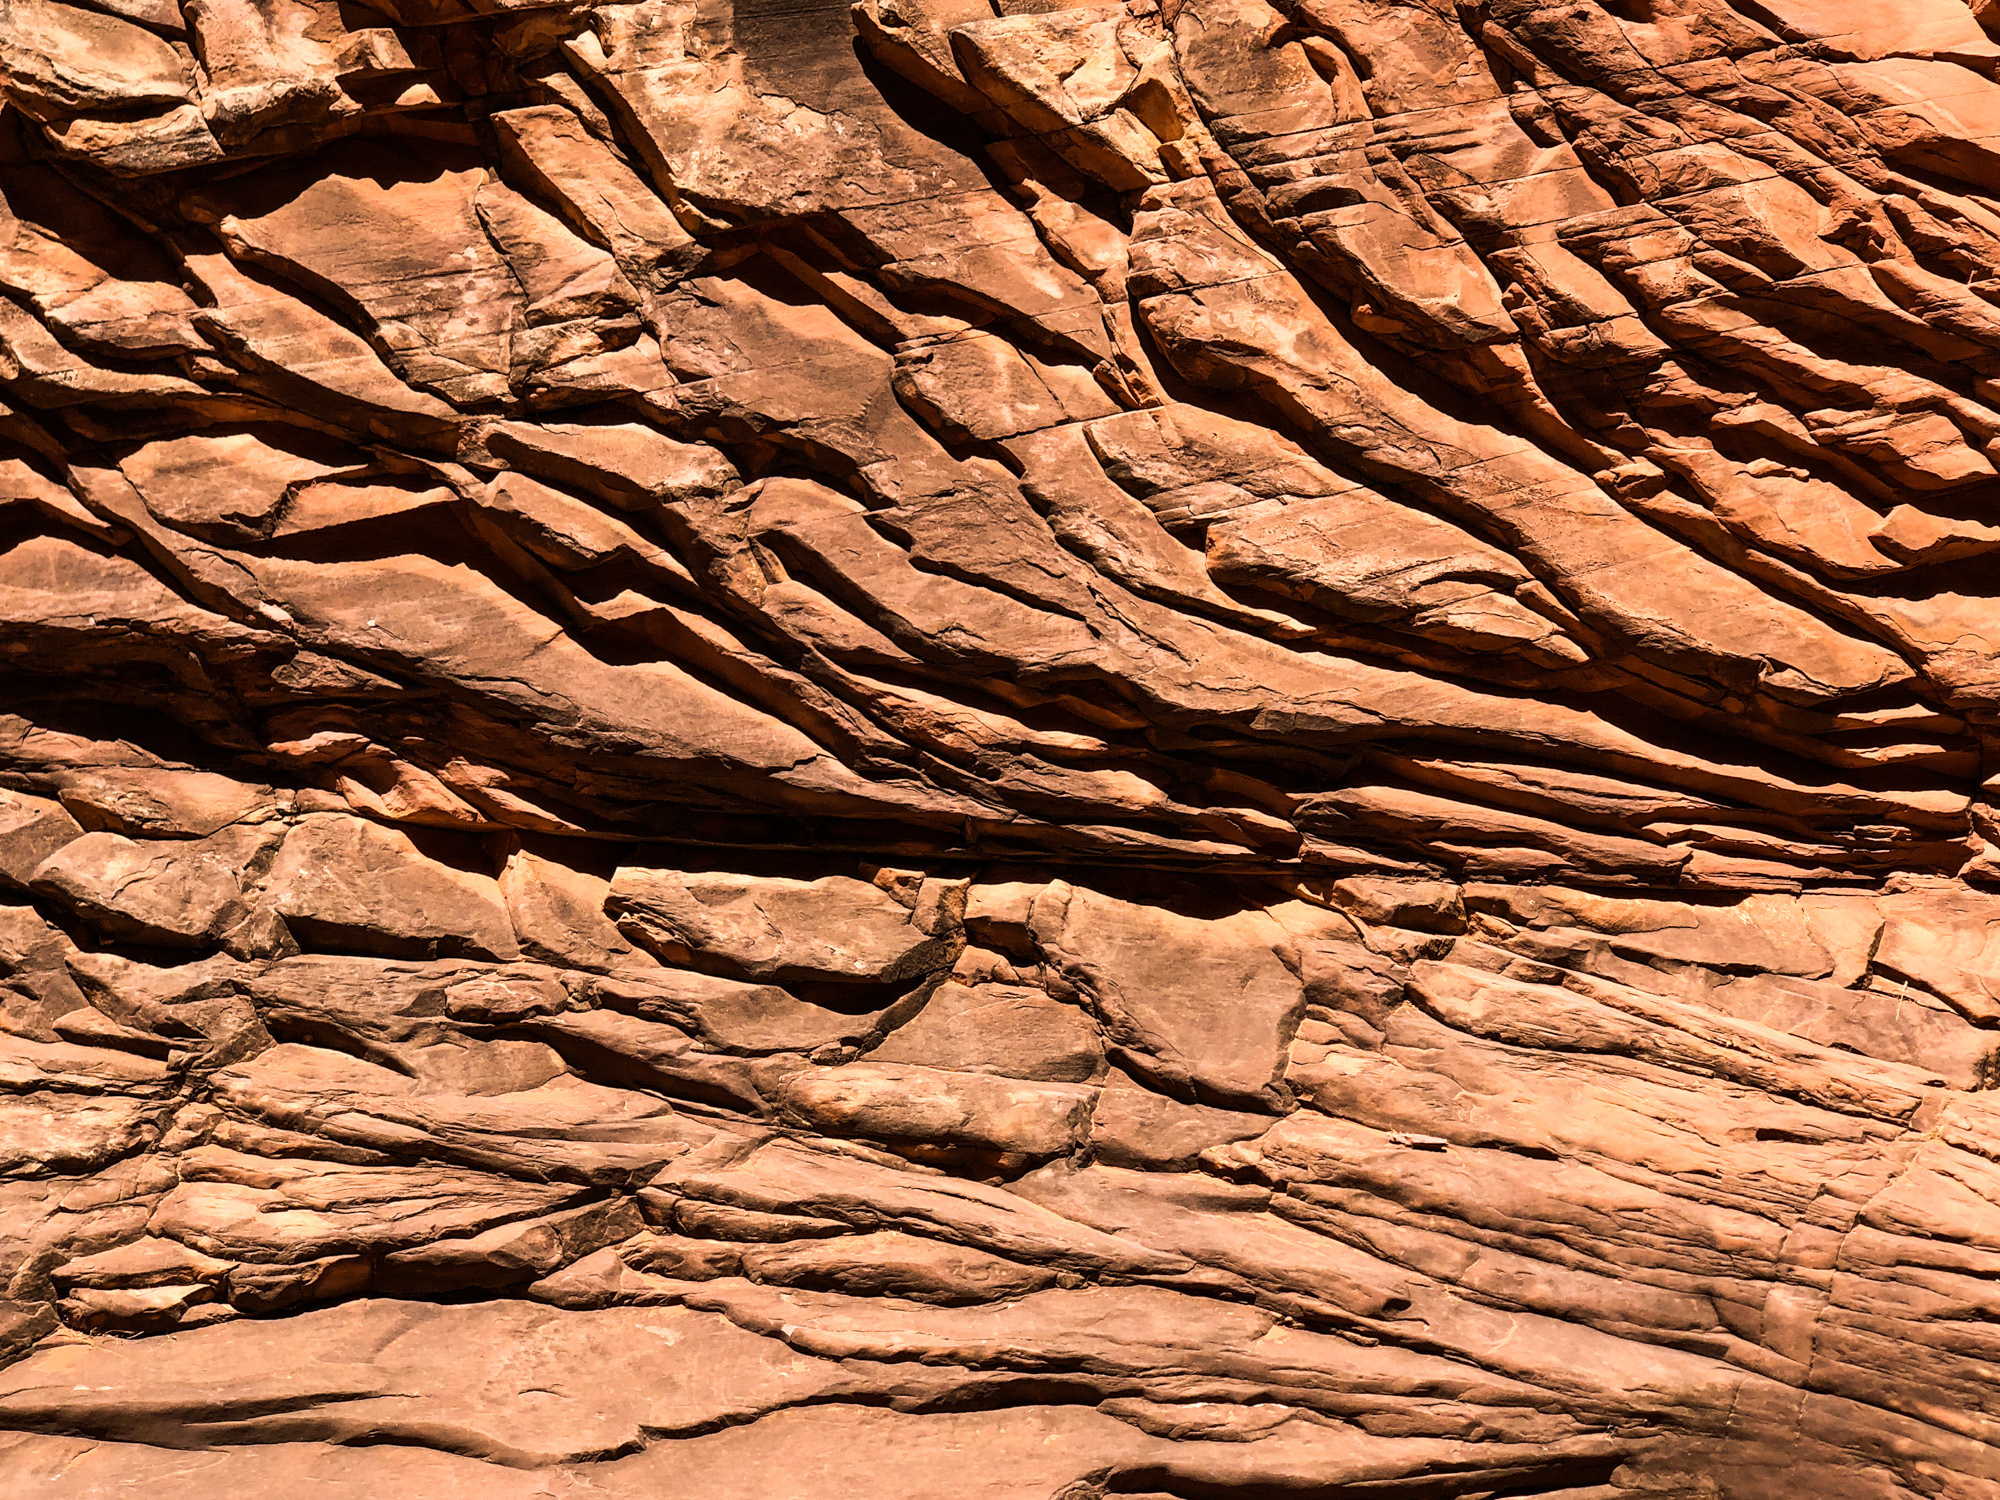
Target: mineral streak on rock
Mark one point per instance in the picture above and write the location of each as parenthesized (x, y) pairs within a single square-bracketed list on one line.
[(1196, 749)]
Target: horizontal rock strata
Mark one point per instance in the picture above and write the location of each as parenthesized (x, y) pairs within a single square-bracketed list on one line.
[(940, 749)]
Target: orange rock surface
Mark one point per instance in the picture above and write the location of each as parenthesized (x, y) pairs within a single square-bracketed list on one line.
[(992, 750)]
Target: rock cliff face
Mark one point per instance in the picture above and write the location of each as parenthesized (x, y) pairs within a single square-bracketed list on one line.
[(958, 750)]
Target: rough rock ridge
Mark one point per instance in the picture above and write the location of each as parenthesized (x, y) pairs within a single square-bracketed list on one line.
[(956, 749)]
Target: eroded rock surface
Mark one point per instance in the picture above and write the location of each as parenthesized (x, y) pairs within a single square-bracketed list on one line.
[(996, 748)]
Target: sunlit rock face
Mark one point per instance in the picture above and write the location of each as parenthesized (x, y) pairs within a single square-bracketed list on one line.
[(943, 751)]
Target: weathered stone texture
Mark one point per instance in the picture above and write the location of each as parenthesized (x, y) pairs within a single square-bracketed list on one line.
[(996, 748)]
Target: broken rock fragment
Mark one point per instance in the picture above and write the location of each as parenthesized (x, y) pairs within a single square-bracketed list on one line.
[(835, 928), (363, 887)]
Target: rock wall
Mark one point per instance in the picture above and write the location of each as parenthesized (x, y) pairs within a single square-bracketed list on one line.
[(958, 750)]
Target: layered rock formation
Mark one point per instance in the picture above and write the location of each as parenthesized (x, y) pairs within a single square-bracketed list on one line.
[(987, 750)]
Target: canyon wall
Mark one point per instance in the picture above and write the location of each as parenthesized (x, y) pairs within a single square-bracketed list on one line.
[(943, 749)]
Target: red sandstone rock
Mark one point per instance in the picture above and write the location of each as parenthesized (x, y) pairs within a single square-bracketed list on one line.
[(969, 749)]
